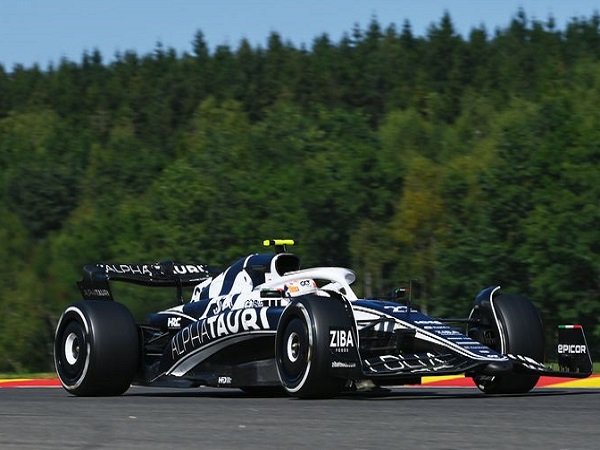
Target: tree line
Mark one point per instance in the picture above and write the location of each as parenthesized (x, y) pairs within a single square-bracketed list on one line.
[(460, 161)]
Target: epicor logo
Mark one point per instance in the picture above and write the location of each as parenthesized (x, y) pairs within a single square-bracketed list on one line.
[(571, 348)]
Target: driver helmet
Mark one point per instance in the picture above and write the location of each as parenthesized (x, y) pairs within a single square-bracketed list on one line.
[(300, 287)]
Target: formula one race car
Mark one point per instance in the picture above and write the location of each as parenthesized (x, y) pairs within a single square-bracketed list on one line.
[(264, 324)]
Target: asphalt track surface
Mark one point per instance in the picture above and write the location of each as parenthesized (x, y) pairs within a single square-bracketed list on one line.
[(432, 418)]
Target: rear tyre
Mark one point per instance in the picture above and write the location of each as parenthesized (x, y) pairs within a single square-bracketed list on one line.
[(520, 333), (302, 346), (96, 348)]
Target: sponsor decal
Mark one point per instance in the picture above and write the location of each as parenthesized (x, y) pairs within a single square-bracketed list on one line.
[(300, 287), (134, 269), (228, 323), (341, 340), (402, 309), (174, 322), (572, 348), (396, 309), (436, 327), (343, 365), (413, 363), (224, 380), (152, 270), (96, 293), (188, 268), (447, 333), (253, 303)]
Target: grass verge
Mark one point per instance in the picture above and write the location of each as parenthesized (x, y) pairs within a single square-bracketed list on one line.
[(13, 375)]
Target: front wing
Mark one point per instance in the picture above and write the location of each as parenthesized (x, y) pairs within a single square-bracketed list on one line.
[(398, 343)]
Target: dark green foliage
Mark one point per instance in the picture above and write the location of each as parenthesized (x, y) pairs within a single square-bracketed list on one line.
[(463, 162)]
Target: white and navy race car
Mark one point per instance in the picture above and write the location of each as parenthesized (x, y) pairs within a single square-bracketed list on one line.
[(264, 325)]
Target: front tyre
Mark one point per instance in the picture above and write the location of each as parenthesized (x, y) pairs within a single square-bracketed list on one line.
[(302, 346), (96, 348), (520, 332)]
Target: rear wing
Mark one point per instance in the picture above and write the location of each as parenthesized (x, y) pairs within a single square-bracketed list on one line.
[(95, 282)]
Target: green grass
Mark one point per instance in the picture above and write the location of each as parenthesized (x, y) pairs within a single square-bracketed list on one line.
[(12, 375)]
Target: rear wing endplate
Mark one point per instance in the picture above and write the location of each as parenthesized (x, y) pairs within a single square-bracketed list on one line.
[(95, 282)]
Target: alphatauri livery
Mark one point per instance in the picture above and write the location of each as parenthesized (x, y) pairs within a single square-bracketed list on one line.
[(266, 325)]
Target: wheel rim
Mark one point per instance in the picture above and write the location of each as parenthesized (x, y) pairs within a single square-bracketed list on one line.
[(295, 351), (293, 347), (72, 348)]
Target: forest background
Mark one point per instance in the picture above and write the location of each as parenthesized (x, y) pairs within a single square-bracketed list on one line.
[(461, 161)]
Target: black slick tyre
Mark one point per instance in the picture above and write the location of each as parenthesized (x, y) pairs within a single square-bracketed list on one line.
[(520, 332), (302, 346), (96, 348)]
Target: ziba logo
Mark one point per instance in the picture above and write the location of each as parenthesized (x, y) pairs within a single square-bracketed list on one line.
[(341, 340)]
